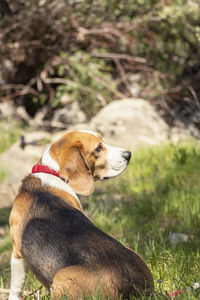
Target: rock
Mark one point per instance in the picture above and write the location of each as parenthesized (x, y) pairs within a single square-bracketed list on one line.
[(135, 89), (194, 131), (130, 123), (22, 114), (65, 99), (17, 163), (38, 120), (176, 238), (7, 110), (70, 114), (63, 118), (7, 70)]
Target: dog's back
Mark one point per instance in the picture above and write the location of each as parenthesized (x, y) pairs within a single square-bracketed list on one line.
[(59, 236)]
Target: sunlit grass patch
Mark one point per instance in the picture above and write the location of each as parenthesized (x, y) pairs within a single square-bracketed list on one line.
[(158, 194), (9, 133), (5, 254), (3, 174)]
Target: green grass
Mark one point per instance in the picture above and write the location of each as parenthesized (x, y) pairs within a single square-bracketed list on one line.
[(158, 194), (3, 173), (9, 133)]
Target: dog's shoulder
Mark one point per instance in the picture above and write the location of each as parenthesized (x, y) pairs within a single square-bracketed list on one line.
[(30, 184)]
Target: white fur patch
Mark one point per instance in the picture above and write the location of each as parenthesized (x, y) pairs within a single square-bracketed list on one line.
[(115, 161), (51, 180), (90, 132), (47, 160), (55, 182), (18, 277)]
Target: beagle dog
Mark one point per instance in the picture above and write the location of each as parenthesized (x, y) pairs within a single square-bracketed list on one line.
[(51, 235)]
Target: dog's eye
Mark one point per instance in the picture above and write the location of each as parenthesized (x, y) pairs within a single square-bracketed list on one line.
[(99, 148)]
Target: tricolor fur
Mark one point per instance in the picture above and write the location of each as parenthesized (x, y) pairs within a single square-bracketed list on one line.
[(53, 237)]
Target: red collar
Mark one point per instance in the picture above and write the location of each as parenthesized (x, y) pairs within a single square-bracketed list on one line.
[(44, 169)]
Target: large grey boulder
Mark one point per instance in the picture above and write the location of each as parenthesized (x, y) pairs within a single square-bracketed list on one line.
[(18, 163), (132, 123)]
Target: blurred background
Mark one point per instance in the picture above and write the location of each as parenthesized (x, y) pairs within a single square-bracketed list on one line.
[(130, 70), (54, 52)]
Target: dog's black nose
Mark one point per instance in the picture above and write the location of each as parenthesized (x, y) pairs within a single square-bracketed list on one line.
[(126, 155)]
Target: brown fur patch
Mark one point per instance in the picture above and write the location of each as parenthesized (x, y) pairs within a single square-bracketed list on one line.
[(18, 215), (17, 220), (77, 282)]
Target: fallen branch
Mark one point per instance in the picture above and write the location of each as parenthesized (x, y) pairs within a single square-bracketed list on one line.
[(33, 293)]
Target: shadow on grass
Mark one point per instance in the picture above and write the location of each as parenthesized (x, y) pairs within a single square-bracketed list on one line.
[(5, 248), (4, 215)]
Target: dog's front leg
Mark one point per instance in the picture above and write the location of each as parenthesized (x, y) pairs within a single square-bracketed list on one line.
[(18, 277)]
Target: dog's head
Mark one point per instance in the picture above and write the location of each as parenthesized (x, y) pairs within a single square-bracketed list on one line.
[(81, 157)]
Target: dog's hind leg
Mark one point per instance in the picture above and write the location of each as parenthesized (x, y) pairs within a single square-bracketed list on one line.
[(18, 277), (77, 283)]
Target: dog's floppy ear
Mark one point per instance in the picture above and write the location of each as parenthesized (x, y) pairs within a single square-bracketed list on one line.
[(76, 171)]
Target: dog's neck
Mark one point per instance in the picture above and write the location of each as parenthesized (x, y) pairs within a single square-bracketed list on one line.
[(48, 172), (47, 160)]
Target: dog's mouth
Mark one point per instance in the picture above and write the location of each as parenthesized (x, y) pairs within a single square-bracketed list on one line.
[(115, 172)]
